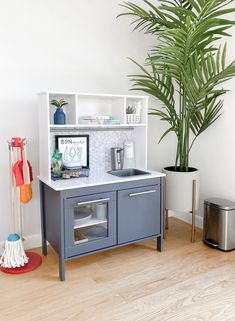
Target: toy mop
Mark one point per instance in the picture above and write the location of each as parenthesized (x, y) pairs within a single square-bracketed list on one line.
[(14, 260)]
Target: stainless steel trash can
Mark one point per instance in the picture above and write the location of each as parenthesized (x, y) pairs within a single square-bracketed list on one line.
[(219, 223)]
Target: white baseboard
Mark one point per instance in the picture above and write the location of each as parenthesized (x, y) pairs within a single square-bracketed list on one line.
[(30, 242), (33, 241), (187, 217)]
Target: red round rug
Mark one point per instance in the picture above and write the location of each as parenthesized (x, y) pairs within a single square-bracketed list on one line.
[(35, 260)]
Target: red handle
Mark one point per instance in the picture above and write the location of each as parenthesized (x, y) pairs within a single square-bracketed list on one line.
[(17, 141)]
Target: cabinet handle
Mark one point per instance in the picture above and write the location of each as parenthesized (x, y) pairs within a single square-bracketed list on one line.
[(93, 202), (142, 193)]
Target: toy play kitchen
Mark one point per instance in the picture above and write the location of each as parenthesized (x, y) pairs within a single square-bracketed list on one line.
[(114, 203)]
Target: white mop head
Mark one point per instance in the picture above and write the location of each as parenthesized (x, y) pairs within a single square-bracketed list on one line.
[(14, 254)]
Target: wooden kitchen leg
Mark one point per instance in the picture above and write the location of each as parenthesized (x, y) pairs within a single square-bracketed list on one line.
[(43, 219), (193, 211)]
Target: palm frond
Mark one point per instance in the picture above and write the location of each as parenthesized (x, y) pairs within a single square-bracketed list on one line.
[(186, 61)]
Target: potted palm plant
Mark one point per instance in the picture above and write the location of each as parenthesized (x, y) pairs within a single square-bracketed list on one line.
[(185, 72)]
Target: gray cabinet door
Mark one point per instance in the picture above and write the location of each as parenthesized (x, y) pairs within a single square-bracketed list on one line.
[(138, 213), (94, 240)]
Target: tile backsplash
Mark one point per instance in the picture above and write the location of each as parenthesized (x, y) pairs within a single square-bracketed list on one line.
[(100, 143)]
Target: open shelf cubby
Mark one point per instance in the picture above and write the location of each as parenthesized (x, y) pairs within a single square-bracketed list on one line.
[(100, 106), (134, 101), (70, 109)]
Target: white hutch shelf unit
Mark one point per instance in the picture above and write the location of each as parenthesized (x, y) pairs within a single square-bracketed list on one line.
[(88, 104)]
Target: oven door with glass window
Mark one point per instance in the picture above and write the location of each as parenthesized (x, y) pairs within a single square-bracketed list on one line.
[(90, 223)]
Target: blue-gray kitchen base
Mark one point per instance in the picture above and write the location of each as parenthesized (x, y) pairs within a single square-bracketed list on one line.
[(135, 213)]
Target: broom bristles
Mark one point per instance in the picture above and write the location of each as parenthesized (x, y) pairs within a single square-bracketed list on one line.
[(13, 255)]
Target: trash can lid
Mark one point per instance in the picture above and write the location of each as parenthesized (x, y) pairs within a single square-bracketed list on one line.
[(220, 203)]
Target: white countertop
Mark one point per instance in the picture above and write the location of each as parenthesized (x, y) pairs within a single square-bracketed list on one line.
[(96, 178)]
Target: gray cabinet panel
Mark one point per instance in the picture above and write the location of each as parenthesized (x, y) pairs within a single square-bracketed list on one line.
[(106, 188), (72, 249), (138, 213), (53, 219)]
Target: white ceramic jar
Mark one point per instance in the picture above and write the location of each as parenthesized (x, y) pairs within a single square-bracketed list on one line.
[(101, 211)]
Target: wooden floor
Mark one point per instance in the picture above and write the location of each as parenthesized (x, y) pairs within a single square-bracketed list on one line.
[(189, 282)]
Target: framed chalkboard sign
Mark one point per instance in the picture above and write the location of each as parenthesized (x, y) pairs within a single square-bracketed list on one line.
[(74, 148)]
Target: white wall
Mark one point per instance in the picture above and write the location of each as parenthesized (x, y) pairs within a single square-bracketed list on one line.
[(81, 46), (56, 45)]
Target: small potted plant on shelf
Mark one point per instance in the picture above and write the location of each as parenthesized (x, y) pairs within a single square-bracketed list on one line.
[(59, 115), (132, 117)]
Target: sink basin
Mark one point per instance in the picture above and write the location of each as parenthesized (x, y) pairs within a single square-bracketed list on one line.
[(128, 172)]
